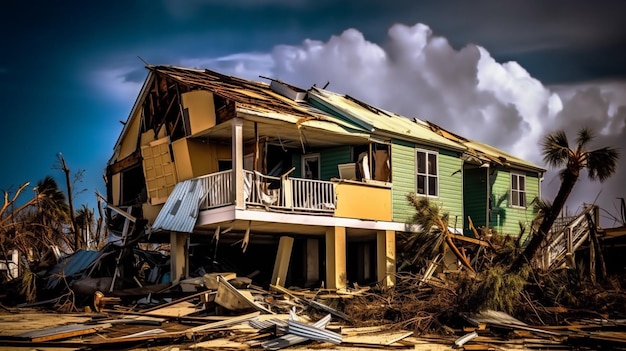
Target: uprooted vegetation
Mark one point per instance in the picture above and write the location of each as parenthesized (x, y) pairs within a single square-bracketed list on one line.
[(443, 282), (425, 302)]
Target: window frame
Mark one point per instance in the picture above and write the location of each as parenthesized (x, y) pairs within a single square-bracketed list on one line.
[(518, 191), (315, 156), (427, 174)]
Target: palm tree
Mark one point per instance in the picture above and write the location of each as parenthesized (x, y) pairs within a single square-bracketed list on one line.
[(84, 224), (600, 165)]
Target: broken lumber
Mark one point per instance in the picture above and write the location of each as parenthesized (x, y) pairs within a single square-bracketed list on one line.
[(312, 303)]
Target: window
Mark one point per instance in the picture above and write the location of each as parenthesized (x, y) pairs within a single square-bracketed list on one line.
[(518, 190), (427, 179), (311, 166)]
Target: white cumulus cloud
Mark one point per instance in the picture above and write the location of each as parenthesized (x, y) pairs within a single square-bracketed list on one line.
[(418, 74)]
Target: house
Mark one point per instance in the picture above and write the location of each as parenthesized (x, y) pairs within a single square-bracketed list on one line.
[(498, 188), (309, 186)]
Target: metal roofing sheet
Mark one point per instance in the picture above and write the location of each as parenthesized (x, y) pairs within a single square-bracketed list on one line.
[(494, 152), (71, 265), (329, 124), (180, 211), (380, 120)]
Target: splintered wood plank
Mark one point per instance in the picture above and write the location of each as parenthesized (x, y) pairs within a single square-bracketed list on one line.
[(217, 344), (62, 332), (180, 309), (379, 339), (16, 323)]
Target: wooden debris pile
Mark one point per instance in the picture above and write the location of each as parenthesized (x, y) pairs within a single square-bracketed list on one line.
[(416, 314)]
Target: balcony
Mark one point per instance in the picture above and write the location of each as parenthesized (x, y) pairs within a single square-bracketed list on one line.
[(284, 194)]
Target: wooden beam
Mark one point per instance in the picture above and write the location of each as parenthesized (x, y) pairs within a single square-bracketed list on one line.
[(281, 264), (386, 257), (470, 240), (125, 163)]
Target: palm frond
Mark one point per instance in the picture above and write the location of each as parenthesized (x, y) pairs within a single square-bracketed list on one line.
[(428, 240), (602, 163), (555, 148), (542, 205), (584, 136)]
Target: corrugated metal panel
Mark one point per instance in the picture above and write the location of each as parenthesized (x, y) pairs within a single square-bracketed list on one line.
[(180, 211), (71, 265), (403, 179), (321, 122), (330, 158), (313, 332), (372, 118), (290, 339), (510, 159)]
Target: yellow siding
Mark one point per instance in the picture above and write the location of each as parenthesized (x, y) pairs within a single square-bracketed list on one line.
[(159, 170), (194, 158), (203, 157), (363, 202), (129, 143), (148, 137), (184, 170), (150, 212), (201, 109)]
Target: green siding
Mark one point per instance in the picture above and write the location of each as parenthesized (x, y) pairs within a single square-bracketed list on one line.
[(475, 198), (504, 218), (330, 158), (296, 161), (403, 178), (451, 187)]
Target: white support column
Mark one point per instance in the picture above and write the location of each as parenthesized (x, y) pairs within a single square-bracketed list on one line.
[(179, 256), (237, 163), (386, 257), (336, 275), (281, 265)]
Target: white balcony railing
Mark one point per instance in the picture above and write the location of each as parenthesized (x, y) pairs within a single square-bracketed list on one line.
[(218, 188), (278, 193)]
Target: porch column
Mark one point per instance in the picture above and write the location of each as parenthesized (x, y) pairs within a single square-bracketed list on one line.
[(179, 257), (236, 147), (281, 264), (336, 276), (386, 257)]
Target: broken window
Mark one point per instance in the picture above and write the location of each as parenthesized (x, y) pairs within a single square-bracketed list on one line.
[(427, 175), (133, 186), (518, 190), (311, 166)]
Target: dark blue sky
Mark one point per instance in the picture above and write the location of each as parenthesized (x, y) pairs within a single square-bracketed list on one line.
[(56, 96)]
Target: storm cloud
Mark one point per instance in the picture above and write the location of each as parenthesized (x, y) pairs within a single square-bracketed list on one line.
[(419, 74)]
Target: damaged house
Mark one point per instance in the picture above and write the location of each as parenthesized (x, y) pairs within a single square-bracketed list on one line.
[(306, 187)]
